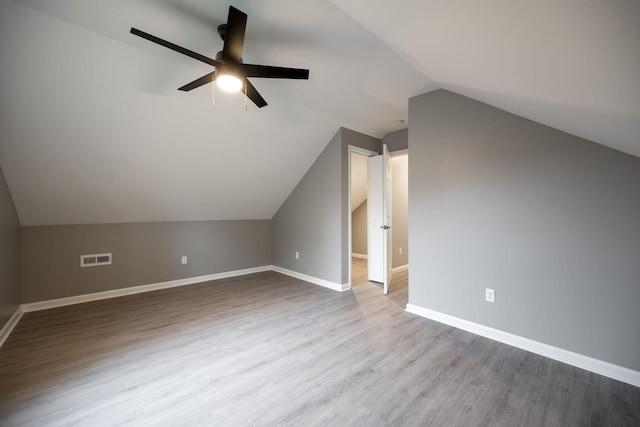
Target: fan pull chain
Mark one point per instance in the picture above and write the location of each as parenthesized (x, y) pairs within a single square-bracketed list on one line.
[(213, 93), (245, 94)]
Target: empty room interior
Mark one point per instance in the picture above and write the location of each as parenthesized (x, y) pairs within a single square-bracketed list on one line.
[(320, 212)]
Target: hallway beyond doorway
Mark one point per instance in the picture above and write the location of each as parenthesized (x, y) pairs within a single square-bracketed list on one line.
[(399, 284)]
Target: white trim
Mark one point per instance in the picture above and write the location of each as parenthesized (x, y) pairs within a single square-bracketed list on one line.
[(402, 267), (78, 299), (601, 367), (331, 285), (363, 151), (11, 323), (362, 256)]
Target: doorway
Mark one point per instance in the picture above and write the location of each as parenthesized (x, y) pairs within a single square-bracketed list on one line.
[(358, 203)]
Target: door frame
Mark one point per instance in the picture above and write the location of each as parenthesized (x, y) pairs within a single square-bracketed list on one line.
[(368, 153)]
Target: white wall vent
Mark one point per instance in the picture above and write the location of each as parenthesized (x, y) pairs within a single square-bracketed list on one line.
[(94, 260)]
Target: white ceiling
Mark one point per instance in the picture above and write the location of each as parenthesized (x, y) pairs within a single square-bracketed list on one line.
[(95, 131), (571, 64)]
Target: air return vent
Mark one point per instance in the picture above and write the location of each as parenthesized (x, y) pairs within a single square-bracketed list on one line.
[(94, 260)]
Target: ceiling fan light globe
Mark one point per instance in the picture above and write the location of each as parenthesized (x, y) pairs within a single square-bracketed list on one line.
[(229, 83)]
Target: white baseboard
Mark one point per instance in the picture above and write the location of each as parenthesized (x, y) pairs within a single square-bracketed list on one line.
[(11, 323), (600, 367), (331, 285), (96, 296), (78, 299), (362, 256), (402, 267)]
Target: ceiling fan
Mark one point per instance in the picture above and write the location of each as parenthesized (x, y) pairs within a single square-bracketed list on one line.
[(230, 72)]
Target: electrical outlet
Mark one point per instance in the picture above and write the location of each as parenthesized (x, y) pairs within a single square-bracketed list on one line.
[(297, 255), (184, 259), (489, 295), (399, 251)]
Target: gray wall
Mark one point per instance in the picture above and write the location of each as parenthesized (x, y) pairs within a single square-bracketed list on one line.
[(398, 140), (359, 229), (400, 210), (314, 219), (9, 254), (143, 253), (309, 220), (547, 219)]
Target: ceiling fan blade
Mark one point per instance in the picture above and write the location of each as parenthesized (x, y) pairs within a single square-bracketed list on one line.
[(269, 72), (253, 94), (175, 47), (209, 78), (234, 36)]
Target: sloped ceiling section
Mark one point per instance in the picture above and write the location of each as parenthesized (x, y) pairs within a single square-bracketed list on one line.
[(572, 64), (95, 131)]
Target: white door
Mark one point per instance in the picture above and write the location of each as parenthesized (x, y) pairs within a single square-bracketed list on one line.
[(379, 219), (386, 207)]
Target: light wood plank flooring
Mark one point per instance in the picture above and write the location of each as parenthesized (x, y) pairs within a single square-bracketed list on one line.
[(266, 349), (358, 271)]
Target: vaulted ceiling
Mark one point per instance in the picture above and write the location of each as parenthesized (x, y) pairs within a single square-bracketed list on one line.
[(94, 130)]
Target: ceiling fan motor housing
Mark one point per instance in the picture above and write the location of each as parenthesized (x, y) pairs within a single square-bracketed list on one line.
[(224, 60), (222, 31)]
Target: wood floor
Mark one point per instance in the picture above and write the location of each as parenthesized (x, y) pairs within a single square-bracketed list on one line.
[(266, 349)]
